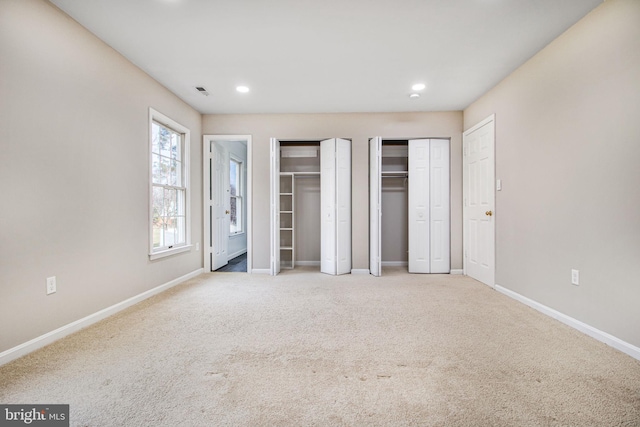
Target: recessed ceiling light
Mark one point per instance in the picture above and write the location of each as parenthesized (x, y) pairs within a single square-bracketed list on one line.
[(414, 96), (418, 86), (242, 89)]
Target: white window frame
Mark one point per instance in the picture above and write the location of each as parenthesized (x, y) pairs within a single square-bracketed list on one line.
[(239, 191), (156, 116)]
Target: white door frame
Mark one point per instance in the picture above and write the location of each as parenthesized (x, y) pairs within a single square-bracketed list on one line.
[(490, 206), (375, 213), (207, 140)]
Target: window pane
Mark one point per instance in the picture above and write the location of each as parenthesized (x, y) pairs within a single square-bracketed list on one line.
[(170, 202), (158, 202), (155, 138), (156, 169), (233, 217), (175, 146), (169, 230), (175, 177), (157, 232), (165, 142), (180, 203), (165, 168), (233, 178)]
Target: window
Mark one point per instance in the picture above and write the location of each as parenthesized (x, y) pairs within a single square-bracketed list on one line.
[(236, 191), (169, 187)]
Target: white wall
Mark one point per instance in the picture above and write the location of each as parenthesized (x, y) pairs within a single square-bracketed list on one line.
[(358, 127), (567, 151), (74, 173)]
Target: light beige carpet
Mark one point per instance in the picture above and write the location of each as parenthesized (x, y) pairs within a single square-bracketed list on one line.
[(307, 349)]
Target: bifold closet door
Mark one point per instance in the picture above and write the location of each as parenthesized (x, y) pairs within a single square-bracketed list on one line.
[(439, 202), (375, 212), (275, 206), (419, 189), (335, 211), (429, 200)]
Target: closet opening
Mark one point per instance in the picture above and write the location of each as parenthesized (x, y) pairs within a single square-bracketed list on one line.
[(311, 205), (409, 204), (300, 239), (395, 203)]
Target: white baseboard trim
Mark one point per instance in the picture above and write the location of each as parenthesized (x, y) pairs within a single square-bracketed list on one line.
[(50, 337), (308, 263), (394, 263), (260, 271), (237, 254), (360, 271), (457, 272), (601, 336)]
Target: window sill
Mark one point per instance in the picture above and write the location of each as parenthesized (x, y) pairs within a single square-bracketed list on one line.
[(169, 252), (236, 234)]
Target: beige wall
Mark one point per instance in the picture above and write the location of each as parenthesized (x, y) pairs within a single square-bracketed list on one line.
[(359, 128), (74, 173), (567, 151)]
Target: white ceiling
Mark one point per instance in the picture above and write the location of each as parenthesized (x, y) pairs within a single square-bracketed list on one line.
[(312, 56)]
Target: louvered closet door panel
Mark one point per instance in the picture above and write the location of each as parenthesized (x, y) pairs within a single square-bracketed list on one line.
[(419, 246), (439, 206)]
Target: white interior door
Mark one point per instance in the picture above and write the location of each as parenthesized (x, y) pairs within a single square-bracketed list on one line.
[(439, 206), (419, 223), (219, 205), (275, 206), (343, 206), (479, 201), (328, 228), (375, 212)]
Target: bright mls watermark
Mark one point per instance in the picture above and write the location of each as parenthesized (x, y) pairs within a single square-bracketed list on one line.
[(34, 415)]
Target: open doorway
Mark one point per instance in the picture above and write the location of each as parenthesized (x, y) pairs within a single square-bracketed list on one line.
[(227, 207)]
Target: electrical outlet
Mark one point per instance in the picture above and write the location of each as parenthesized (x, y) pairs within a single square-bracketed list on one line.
[(51, 285), (575, 277)]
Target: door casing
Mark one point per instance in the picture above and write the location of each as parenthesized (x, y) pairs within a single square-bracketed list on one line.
[(207, 141)]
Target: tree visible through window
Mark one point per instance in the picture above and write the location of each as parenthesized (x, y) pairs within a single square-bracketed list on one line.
[(168, 188), (235, 184)]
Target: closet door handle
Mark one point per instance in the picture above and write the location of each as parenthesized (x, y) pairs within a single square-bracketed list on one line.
[(488, 213), (227, 212)]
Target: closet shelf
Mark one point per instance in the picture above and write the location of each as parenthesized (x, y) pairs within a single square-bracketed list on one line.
[(286, 248), (300, 173), (286, 211), (287, 229)]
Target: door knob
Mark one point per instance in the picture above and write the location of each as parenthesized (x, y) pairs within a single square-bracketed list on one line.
[(227, 212), (488, 213)]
